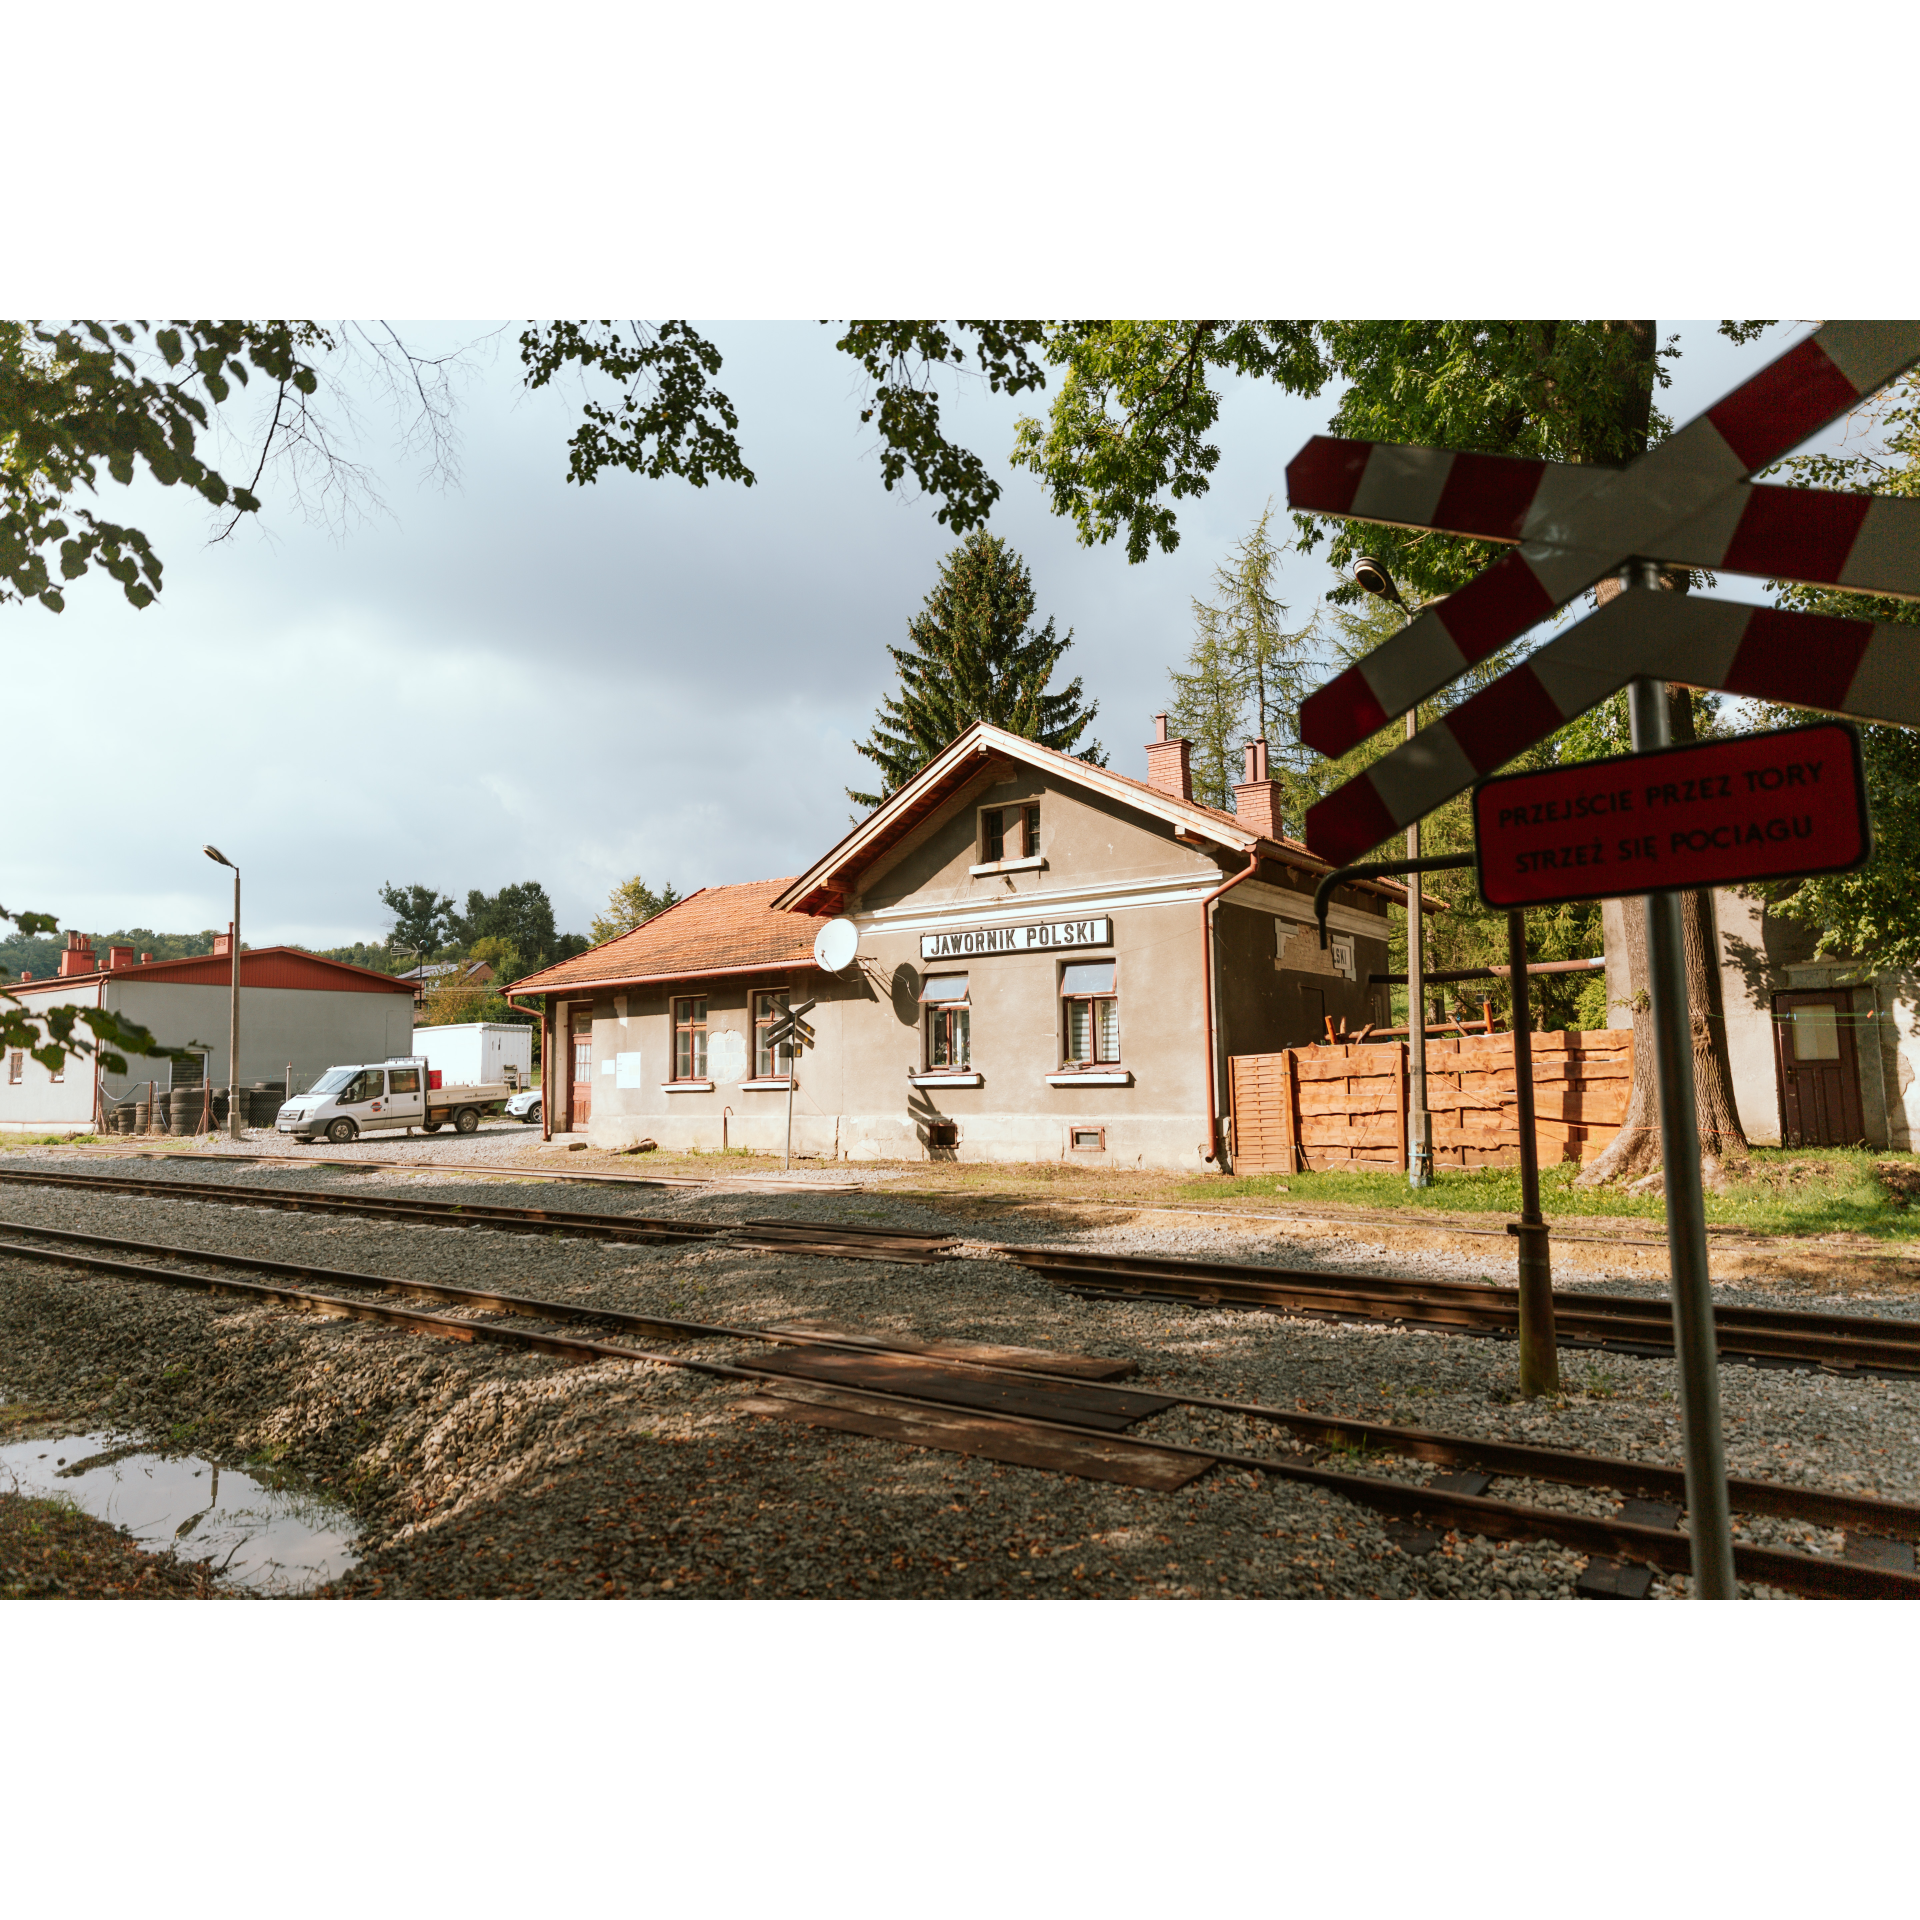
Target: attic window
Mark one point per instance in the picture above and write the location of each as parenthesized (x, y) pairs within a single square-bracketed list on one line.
[(1010, 833)]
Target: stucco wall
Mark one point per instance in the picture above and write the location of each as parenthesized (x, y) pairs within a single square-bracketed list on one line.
[(1761, 956), (863, 1093)]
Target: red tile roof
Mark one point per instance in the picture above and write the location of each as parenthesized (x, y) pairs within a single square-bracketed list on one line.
[(717, 930)]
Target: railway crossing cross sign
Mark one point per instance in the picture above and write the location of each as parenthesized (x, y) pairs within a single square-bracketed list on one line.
[(1689, 502), (789, 1036)]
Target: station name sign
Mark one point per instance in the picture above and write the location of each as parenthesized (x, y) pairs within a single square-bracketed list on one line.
[(1765, 806), (1037, 936)]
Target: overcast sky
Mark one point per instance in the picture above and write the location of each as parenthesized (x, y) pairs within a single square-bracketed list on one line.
[(516, 678)]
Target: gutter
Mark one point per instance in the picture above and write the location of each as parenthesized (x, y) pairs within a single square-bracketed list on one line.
[(1210, 1146)]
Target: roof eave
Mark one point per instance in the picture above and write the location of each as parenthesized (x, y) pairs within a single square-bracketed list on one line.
[(528, 986)]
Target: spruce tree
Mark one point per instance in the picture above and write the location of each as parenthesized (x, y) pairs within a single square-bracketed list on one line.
[(972, 654)]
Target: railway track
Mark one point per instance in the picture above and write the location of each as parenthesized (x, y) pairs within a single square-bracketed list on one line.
[(1763, 1336), (1759, 1336), (827, 1239), (1061, 1412)]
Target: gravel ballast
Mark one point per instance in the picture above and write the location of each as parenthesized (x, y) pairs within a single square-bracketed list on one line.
[(479, 1471)]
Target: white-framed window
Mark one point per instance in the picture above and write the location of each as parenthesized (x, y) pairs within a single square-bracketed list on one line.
[(16, 1062), (948, 1023), (767, 1008), (690, 1038), (1090, 1013)]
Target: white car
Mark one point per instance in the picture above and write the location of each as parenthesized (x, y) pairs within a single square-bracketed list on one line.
[(525, 1106)]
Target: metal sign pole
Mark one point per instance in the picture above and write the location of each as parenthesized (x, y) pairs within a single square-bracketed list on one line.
[(1708, 1521), (792, 1051), (1419, 1120), (1539, 1351)]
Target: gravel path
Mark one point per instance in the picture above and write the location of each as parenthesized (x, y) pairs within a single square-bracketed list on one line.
[(477, 1471)]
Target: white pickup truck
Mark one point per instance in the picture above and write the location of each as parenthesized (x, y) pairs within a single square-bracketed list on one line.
[(346, 1102)]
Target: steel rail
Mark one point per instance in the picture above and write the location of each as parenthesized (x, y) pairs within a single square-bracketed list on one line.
[(1627, 1477), (1802, 1573), (798, 1235), (1573, 1328), (1860, 1341)]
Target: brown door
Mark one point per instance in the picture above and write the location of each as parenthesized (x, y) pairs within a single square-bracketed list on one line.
[(580, 1088), (1819, 1070)]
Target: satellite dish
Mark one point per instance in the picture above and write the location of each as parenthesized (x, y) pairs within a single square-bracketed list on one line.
[(835, 945)]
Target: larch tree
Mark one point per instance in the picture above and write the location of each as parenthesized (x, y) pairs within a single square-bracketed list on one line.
[(631, 904), (1245, 674), (973, 653)]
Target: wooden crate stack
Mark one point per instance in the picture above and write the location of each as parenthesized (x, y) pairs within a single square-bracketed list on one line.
[(1343, 1106)]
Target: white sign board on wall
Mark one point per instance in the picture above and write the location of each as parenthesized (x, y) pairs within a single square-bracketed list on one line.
[(1036, 936)]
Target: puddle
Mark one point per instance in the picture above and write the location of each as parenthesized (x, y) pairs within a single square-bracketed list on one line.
[(266, 1539)]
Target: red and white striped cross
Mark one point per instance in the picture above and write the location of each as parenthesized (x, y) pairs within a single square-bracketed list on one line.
[(1688, 503), (1799, 659)]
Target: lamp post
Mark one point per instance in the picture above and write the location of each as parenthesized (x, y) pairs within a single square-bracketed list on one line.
[(236, 1124), (1370, 575)]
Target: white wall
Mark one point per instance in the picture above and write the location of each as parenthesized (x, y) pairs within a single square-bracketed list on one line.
[(39, 1104)]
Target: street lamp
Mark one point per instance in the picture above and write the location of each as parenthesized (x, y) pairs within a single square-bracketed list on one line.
[(236, 1125), (1373, 578)]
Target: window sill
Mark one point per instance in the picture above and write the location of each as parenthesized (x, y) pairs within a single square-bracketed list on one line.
[(686, 1086), (1093, 1077), (765, 1086), (1036, 864), (946, 1079)]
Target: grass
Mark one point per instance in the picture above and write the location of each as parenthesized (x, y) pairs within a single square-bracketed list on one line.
[(1806, 1191), (10, 1140)]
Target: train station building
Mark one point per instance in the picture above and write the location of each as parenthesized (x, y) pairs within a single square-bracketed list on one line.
[(1054, 963)]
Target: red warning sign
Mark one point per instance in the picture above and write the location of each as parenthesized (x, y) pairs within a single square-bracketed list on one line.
[(1766, 806)]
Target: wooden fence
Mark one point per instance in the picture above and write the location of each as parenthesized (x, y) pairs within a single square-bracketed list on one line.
[(1341, 1106)]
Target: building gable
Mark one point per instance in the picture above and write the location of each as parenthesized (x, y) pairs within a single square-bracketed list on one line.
[(1085, 838)]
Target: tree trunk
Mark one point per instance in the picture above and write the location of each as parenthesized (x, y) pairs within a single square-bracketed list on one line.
[(1636, 1151)]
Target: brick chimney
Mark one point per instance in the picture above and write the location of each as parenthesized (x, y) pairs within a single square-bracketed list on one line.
[(118, 956), (1167, 768), (78, 957), (1257, 799)]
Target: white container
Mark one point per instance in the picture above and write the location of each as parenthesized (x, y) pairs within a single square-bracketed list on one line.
[(477, 1054)]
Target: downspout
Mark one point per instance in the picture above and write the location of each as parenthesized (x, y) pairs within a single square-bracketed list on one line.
[(100, 1001), (546, 1059), (1210, 1146)]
